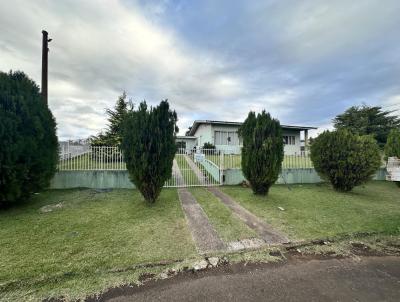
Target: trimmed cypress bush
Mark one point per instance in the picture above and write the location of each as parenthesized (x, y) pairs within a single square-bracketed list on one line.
[(28, 141), (148, 144), (262, 152), (345, 159)]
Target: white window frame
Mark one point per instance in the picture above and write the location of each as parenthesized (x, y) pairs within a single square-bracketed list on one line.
[(229, 138), (289, 140)]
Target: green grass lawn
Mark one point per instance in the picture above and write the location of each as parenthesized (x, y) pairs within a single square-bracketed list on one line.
[(317, 211), (87, 245), (228, 226)]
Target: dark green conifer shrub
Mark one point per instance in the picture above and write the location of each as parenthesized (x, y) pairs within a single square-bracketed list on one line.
[(345, 159), (262, 152), (208, 146), (111, 137), (148, 144), (28, 141)]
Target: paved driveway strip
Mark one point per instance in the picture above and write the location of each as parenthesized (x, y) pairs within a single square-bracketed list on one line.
[(203, 233), (266, 231)]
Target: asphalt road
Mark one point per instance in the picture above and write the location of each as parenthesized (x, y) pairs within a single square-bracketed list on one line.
[(362, 279)]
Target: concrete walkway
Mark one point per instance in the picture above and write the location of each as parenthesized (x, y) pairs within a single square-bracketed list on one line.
[(204, 235), (264, 230)]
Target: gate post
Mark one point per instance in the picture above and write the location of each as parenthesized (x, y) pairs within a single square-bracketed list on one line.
[(221, 168)]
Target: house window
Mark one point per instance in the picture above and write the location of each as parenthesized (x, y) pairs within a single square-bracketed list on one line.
[(226, 138), (181, 145), (289, 140)]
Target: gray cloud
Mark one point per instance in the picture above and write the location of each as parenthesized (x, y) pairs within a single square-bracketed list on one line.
[(303, 62)]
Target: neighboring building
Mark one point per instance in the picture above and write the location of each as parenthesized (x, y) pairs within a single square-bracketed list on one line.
[(224, 135)]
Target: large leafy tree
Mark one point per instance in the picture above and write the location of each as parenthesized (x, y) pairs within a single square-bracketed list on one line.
[(112, 135), (28, 141), (262, 152), (344, 158), (368, 120), (148, 144)]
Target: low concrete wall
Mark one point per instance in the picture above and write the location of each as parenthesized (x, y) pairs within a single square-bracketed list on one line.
[(289, 176), (380, 174), (91, 179), (120, 179)]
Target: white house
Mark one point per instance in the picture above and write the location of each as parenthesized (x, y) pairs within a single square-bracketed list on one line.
[(224, 135)]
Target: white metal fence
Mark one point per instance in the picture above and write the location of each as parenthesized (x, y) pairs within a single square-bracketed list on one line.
[(90, 158), (296, 161), (85, 157), (68, 150), (201, 167), (197, 167)]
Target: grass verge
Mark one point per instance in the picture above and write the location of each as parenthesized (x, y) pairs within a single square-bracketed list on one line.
[(316, 210), (87, 244)]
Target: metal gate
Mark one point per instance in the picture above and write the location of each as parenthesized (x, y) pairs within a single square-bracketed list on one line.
[(197, 168)]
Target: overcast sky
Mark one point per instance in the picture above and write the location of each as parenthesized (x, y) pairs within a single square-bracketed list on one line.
[(303, 61)]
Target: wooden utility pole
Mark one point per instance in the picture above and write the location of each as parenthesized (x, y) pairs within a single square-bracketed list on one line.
[(45, 51)]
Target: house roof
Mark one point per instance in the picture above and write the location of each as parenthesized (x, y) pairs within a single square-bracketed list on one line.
[(197, 123)]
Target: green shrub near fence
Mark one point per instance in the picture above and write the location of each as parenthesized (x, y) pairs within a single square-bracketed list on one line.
[(148, 145), (29, 146), (262, 152), (345, 159)]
